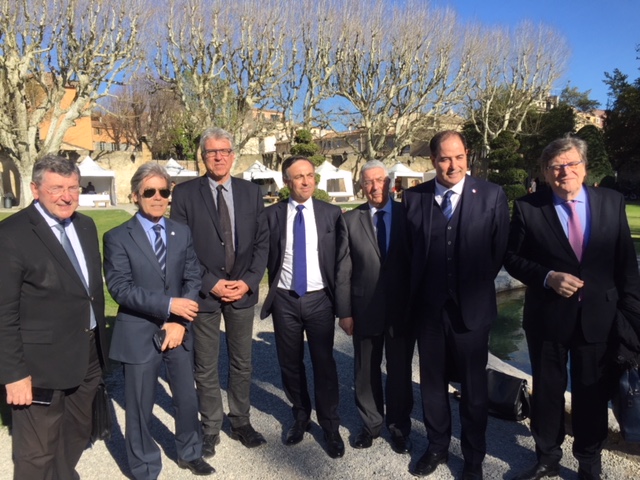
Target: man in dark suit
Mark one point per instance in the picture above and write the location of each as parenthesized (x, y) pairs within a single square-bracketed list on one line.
[(51, 323), (571, 246), (309, 271), (152, 272), (458, 227), (379, 296), (231, 243)]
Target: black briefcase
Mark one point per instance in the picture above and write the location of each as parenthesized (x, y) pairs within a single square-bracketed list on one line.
[(508, 396), (102, 420)]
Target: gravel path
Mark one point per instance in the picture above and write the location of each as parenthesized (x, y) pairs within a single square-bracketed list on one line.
[(510, 447)]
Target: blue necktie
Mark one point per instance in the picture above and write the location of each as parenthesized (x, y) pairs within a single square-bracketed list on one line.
[(159, 248), (447, 206), (381, 231), (299, 253)]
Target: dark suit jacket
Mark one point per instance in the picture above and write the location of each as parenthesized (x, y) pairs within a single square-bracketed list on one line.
[(192, 204), (481, 244), (379, 290), (136, 282), (44, 306), (333, 250), (538, 244)]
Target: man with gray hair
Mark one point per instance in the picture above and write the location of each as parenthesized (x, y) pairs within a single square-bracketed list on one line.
[(571, 246), (51, 323), (230, 240), (377, 316)]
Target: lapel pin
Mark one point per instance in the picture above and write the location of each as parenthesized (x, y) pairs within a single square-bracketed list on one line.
[(173, 233), (473, 190)]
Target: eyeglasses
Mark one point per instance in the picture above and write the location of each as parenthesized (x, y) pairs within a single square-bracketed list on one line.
[(563, 167), (151, 192), (223, 152), (375, 181), (59, 191)]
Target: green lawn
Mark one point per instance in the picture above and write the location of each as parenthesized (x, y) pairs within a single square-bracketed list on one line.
[(633, 215)]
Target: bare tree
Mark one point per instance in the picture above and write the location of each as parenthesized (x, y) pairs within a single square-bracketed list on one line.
[(47, 47), (224, 60), (396, 66), (512, 71)]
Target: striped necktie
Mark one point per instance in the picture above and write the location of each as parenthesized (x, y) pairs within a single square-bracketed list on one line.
[(447, 206), (159, 248)]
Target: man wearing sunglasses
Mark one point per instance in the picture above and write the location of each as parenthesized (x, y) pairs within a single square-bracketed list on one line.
[(152, 272), (230, 240)]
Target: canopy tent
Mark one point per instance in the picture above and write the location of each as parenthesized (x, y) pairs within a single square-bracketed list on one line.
[(104, 182), (269, 180), (405, 175), (336, 182), (178, 173)]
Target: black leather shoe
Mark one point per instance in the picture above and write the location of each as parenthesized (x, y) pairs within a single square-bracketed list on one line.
[(364, 440), (428, 463), (584, 474), (296, 432), (401, 444), (472, 472), (197, 466), (335, 445), (209, 443), (248, 436), (538, 471)]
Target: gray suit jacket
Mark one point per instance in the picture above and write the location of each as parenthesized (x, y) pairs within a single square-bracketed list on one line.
[(333, 250), (379, 290), (192, 204), (136, 282)]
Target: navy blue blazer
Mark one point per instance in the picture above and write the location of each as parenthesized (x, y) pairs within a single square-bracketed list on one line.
[(481, 245), (333, 250), (141, 289)]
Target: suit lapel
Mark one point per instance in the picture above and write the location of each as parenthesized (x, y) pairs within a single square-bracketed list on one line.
[(281, 225), (207, 197), (364, 214), (51, 242), (87, 244), (142, 241), (467, 204), (551, 217)]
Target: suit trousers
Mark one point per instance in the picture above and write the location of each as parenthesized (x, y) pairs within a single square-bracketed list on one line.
[(398, 387), (48, 441), (238, 324), (591, 375), (445, 345), (293, 316), (140, 382)]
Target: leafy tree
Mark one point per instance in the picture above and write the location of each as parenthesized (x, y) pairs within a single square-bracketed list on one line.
[(304, 145), (599, 165), (579, 100), (622, 124), (505, 164)]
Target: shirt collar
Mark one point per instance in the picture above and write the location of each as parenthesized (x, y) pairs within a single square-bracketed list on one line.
[(148, 224), (581, 198), (457, 188), (386, 208), (308, 205)]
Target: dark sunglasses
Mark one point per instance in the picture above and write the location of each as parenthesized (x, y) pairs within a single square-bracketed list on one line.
[(150, 192)]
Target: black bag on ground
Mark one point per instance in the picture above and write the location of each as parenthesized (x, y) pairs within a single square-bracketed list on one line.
[(626, 404), (508, 396), (102, 421)]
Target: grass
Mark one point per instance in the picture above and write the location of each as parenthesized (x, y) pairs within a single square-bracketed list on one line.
[(633, 216)]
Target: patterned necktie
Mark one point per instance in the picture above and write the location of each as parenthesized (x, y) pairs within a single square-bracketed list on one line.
[(446, 205), (68, 248), (159, 248), (576, 234), (299, 253), (381, 232), (227, 231)]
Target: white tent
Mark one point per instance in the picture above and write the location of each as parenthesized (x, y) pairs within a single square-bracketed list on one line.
[(178, 173), (336, 182), (405, 174), (269, 180), (104, 182)]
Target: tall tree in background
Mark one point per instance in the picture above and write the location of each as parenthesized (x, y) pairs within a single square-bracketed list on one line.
[(599, 165), (48, 47), (506, 165), (622, 124), (512, 73)]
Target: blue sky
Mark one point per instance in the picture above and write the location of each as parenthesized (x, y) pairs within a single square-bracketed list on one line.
[(602, 34)]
